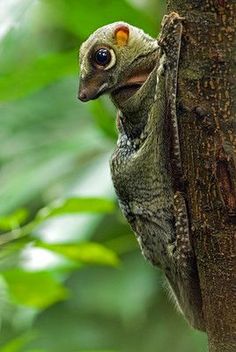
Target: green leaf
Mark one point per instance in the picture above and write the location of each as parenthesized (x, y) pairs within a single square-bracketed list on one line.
[(76, 206), (17, 344), (14, 220), (75, 17), (37, 350), (34, 289), (65, 207), (85, 253), (103, 118), (38, 74)]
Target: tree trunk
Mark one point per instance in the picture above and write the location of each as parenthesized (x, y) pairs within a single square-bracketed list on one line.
[(207, 123)]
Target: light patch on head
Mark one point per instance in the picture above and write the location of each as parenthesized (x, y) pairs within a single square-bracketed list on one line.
[(83, 70), (113, 60), (103, 87), (122, 35)]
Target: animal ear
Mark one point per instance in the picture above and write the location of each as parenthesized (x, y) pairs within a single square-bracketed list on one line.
[(122, 35)]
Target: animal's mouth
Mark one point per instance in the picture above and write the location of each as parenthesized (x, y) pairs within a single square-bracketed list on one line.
[(128, 88)]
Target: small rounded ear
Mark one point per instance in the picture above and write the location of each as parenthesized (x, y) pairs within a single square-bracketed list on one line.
[(122, 35)]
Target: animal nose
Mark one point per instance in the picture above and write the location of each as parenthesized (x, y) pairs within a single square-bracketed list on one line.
[(83, 95)]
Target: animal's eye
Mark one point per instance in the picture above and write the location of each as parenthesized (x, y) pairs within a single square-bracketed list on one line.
[(102, 57)]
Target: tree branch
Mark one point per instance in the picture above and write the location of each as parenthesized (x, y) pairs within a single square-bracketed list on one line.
[(207, 122)]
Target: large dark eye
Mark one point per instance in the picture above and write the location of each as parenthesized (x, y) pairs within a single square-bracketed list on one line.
[(102, 57)]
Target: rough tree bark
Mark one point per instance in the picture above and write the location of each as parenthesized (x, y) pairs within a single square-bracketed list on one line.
[(207, 122)]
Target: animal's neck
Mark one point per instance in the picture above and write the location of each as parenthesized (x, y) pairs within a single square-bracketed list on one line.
[(134, 78), (131, 128), (134, 110)]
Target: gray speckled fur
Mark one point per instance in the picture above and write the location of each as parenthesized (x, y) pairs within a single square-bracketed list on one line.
[(140, 177), (141, 162)]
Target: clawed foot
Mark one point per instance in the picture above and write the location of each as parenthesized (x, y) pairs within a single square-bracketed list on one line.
[(171, 32), (171, 21)]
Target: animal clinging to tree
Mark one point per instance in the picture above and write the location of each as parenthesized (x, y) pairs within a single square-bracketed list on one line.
[(140, 75)]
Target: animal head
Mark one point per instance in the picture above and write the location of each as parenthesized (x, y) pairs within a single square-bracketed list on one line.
[(115, 59)]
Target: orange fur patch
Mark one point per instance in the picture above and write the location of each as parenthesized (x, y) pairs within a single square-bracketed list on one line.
[(122, 35)]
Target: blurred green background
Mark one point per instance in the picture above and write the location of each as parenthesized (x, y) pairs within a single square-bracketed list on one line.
[(72, 276)]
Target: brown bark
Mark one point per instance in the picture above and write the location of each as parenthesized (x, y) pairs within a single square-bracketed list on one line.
[(207, 122)]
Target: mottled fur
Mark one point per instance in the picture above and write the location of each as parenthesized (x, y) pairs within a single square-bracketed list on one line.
[(143, 161)]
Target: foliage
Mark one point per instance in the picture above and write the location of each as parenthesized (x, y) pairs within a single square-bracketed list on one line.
[(72, 277)]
